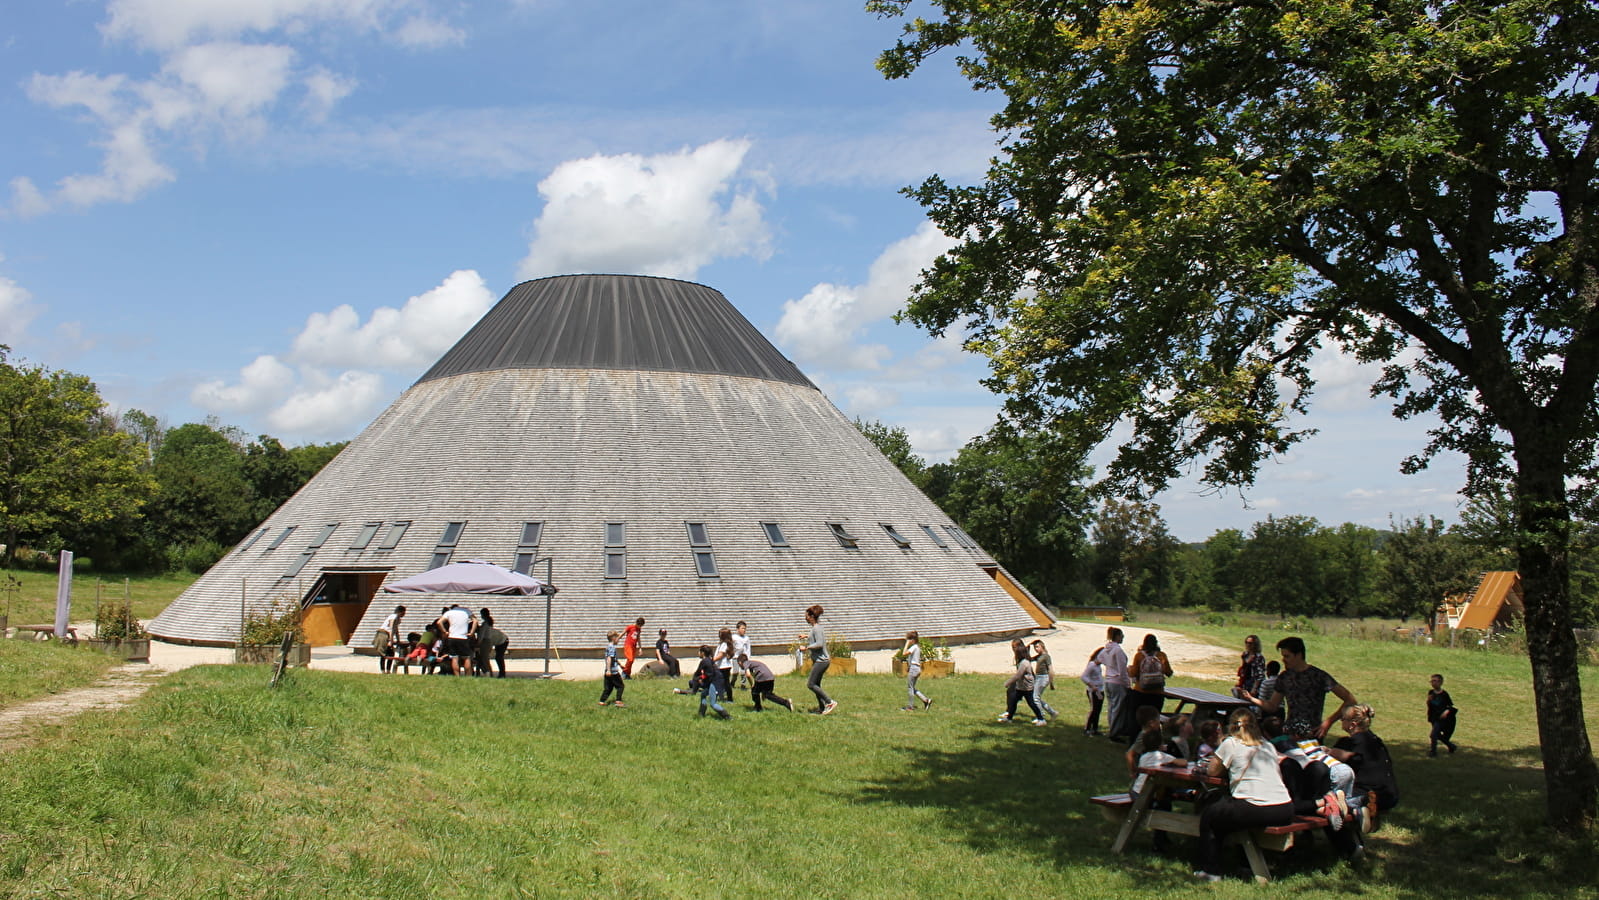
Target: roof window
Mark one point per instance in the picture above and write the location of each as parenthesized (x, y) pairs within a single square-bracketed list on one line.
[(527, 547), (774, 534), (391, 539), (933, 536), (616, 551), (845, 539), (363, 538), (446, 546), (283, 536), (894, 535)]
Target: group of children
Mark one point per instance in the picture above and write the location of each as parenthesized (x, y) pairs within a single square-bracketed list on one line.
[(427, 649)]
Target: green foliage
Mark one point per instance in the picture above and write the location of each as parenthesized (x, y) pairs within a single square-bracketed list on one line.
[(63, 465), (839, 647), (1021, 496), (1194, 199), (34, 669), (115, 621), (266, 626), (1134, 560)]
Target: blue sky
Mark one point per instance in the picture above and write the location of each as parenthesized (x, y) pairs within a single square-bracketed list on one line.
[(279, 212)]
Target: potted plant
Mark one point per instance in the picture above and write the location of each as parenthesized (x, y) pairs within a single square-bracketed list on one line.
[(936, 662), (119, 633), (262, 631), (843, 656)]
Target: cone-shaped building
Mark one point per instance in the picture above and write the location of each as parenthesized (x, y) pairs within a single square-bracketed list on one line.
[(639, 442)]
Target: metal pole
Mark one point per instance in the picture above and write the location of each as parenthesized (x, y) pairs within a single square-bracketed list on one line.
[(549, 581)]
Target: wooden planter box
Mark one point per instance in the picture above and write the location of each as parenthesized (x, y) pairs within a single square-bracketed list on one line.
[(136, 650), (931, 668), (299, 654), (840, 666)]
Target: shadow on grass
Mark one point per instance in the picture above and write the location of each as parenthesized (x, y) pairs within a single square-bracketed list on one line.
[(1470, 825)]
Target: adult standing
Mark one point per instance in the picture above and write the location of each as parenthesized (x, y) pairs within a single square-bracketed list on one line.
[(815, 644), (1149, 670), (384, 636), (663, 655), (630, 638), (1305, 688), (491, 641), (1257, 798), (1251, 671), (1116, 683), (457, 639), (912, 652)]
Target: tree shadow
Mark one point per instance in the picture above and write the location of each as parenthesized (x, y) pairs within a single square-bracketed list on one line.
[(1470, 825)]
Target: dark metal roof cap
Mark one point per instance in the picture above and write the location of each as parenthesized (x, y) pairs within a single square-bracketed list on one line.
[(630, 322)]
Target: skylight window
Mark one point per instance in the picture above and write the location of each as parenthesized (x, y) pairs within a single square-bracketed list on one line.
[(933, 536), (527, 547), (845, 539), (322, 536), (774, 534), (699, 538), (363, 538), (395, 532), (898, 539), (282, 536), (446, 546), (299, 563), (955, 533), (250, 539), (616, 551)]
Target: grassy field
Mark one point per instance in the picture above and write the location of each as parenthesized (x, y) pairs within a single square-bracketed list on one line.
[(35, 603), (343, 785), (31, 669)]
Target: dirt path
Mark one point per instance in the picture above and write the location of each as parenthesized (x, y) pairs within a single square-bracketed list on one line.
[(118, 687)]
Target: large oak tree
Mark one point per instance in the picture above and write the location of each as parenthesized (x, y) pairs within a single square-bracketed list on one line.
[(1194, 196)]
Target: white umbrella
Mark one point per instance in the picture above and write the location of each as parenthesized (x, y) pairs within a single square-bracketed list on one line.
[(470, 577)]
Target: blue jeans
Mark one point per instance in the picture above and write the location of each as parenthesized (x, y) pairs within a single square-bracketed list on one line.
[(712, 691)]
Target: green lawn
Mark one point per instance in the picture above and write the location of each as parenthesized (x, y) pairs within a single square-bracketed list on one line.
[(35, 603), (344, 785), (30, 669)]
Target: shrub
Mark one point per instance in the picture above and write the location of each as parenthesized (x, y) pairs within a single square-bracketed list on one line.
[(839, 648), (1212, 618), (266, 627), (198, 556), (115, 621)]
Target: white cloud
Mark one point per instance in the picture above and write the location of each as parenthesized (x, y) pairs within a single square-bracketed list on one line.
[(329, 407), (826, 326), (224, 86), (263, 384), (301, 396), (667, 214), (410, 337), (323, 91), (165, 24), (866, 399), (16, 309), (427, 33)]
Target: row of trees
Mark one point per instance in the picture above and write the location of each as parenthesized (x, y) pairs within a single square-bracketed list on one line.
[(128, 491), (1024, 498)]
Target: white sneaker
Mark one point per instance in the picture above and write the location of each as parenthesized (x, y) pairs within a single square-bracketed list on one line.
[(1003, 718), (1206, 876), (1040, 722), (831, 705)]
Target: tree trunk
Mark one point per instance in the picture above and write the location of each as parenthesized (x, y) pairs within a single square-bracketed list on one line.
[(1571, 780)]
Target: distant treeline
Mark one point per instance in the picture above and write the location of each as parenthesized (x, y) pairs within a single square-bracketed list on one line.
[(128, 492), (1026, 499)]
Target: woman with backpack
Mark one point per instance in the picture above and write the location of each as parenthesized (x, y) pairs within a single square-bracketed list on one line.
[(1149, 669)]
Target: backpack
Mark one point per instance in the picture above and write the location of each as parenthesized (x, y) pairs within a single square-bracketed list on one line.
[(1151, 677)]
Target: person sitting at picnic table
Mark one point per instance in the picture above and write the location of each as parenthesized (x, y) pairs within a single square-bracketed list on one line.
[(1256, 795), (1376, 787), (1318, 783)]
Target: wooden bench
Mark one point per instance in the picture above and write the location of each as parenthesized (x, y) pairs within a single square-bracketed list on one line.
[(42, 632), (1277, 838)]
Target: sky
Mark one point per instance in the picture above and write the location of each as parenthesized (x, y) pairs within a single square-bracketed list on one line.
[(281, 212)]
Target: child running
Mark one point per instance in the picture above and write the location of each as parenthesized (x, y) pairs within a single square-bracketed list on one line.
[(1441, 715), (715, 682), (913, 671), (764, 682)]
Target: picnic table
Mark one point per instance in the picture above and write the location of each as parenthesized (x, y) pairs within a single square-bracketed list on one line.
[(1135, 815), (1204, 704)]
